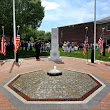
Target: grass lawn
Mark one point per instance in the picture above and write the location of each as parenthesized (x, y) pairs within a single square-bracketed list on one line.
[(22, 54), (77, 54)]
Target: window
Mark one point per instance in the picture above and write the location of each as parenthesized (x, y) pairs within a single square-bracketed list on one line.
[(108, 27), (108, 42)]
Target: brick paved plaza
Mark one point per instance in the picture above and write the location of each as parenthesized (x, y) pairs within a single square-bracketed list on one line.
[(60, 86)]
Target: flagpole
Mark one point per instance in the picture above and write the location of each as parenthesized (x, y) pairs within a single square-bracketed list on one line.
[(14, 27), (94, 28)]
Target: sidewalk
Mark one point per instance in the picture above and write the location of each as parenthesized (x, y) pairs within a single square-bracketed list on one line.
[(9, 69)]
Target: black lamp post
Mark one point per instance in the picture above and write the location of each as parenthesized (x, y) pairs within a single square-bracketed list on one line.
[(86, 28), (104, 44), (61, 39), (86, 38)]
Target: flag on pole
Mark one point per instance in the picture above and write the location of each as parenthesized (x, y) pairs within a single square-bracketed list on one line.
[(17, 43), (100, 43), (85, 47), (109, 49), (3, 47)]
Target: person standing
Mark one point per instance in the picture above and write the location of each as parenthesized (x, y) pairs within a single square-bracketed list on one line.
[(37, 47)]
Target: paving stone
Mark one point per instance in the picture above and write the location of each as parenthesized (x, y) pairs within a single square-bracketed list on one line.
[(38, 85)]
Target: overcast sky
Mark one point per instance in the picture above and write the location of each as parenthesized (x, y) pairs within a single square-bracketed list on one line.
[(66, 12)]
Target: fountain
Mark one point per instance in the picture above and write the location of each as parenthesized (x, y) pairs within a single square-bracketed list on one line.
[(52, 85), (54, 72)]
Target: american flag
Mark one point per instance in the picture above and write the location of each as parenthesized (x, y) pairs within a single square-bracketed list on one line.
[(85, 44), (100, 43), (85, 47), (3, 47), (109, 49), (17, 43)]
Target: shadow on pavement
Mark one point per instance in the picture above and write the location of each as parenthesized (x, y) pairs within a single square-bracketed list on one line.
[(14, 63), (2, 63), (59, 62)]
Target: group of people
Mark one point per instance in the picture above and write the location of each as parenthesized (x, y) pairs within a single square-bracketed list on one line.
[(28, 45), (69, 47), (38, 45), (73, 46)]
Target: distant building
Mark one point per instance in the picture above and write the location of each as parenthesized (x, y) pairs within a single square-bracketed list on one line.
[(76, 32)]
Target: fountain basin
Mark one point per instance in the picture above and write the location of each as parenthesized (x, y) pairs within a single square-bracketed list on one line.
[(38, 86), (54, 72)]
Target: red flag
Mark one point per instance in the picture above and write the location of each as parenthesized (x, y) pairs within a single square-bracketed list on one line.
[(109, 49), (100, 43), (17, 43), (3, 47), (85, 47)]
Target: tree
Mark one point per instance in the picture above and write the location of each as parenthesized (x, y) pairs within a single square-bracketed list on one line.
[(43, 35), (6, 16), (28, 14)]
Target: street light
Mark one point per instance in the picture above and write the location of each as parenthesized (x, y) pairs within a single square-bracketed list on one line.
[(18, 29), (86, 40), (104, 44), (103, 30), (61, 36), (86, 28)]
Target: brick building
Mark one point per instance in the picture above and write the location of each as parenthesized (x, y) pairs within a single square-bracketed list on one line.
[(76, 32)]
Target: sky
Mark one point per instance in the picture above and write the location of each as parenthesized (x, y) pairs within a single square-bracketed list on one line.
[(60, 13)]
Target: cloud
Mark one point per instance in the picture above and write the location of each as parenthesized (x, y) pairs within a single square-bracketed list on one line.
[(69, 12), (49, 5)]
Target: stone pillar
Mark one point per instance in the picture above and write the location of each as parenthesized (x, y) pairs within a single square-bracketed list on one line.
[(54, 52)]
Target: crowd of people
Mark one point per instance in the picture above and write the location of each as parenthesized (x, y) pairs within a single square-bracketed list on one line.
[(28, 45), (46, 46), (73, 46)]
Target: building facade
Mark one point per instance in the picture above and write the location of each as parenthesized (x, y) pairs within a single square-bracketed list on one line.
[(77, 32)]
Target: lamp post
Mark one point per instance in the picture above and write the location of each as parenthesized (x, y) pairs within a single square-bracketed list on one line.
[(86, 40), (61, 36), (18, 29), (104, 44), (103, 31), (14, 27), (86, 28)]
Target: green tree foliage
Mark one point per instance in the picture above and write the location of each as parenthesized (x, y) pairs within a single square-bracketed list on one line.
[(42, 35), (35, 34), (29, 13), (6, 16), (31, 39)]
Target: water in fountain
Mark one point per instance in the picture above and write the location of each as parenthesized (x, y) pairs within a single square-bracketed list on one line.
[(54, 72)]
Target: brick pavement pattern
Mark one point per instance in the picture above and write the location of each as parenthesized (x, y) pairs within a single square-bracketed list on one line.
[(9, 69)]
